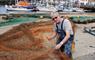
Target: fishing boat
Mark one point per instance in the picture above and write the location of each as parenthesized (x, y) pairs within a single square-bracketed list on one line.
[(19, 6), (17, 9)]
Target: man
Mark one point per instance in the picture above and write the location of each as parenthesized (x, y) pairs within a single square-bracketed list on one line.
[(63, 29)]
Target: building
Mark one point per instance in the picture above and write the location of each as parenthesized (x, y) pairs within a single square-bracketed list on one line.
[(85, 2)]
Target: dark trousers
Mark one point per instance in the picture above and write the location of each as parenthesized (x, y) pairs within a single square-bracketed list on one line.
[(67, 47)]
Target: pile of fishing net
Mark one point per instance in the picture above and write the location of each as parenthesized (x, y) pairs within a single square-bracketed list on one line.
[(27, 42)]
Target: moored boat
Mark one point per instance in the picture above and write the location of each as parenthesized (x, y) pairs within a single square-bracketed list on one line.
[(19, 6)]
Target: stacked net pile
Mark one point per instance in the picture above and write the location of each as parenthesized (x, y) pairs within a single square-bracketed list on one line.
[(27, 42)]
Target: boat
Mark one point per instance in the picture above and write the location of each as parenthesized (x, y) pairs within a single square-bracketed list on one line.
[(24, 6), (47, 9), (77, 10), (10, 8), (90, 30)]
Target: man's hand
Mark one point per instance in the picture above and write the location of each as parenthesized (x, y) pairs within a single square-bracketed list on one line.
[(48, 37), (58, 46)]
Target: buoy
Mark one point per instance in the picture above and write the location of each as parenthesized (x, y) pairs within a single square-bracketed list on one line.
[(41, 17), (78, 17), (73, 46)]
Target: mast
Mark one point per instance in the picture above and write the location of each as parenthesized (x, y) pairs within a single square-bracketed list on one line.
[(10, 1), (17, 1)]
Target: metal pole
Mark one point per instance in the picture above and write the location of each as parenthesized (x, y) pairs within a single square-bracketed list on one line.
[(15, 1), (10, 2)]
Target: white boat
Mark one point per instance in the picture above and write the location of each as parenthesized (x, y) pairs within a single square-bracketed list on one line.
[(47, 9), (10, 8), (17, 7), (78, 10), (67, 10)]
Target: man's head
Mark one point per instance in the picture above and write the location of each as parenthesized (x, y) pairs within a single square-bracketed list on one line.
[(55, 17)]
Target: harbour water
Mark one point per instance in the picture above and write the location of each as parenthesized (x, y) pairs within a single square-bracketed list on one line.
[(2, 10)]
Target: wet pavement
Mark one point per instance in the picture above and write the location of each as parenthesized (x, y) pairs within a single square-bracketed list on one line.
[(84, 44), (87, 57)]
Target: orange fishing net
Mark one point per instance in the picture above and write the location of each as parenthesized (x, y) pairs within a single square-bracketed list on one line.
[(27, 42)]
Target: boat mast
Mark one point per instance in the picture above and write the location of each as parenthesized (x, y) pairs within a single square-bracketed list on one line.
[(47, 3), (17, 1), (10, 1)]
